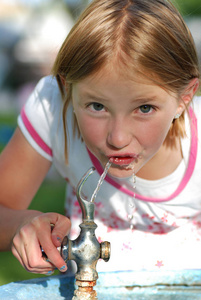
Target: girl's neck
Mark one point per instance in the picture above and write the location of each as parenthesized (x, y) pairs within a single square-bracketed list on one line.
[(163, 163)]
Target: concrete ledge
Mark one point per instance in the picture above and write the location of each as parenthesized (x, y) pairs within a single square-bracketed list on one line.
[(156, 285)]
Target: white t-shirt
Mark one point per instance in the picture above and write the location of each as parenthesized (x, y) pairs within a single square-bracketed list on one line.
[(155, 226)]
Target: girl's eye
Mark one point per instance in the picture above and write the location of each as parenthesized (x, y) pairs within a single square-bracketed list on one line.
[(145, 109), (96, 106)]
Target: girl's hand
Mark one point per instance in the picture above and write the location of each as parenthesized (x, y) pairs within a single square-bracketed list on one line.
[(38, 233)]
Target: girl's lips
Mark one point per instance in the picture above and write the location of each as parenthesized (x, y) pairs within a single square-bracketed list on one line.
[(122, 160)]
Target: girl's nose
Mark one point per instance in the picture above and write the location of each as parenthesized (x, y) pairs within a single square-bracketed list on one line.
[(119, 135)]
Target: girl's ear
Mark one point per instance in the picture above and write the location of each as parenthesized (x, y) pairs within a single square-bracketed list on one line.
[(187, 95), (190, 91), (63, 80), (64, 83)]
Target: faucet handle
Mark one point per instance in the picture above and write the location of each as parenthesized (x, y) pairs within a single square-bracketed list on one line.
[(105, 251)]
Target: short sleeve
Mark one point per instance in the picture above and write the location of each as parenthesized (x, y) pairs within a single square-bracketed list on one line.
[(40, 116)]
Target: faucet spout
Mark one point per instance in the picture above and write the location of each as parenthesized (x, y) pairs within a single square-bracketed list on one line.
[(86, 206)]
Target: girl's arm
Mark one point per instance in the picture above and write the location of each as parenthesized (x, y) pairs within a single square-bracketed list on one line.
[(22, 171)]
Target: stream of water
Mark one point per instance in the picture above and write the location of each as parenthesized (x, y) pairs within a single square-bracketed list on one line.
[(100, 181)]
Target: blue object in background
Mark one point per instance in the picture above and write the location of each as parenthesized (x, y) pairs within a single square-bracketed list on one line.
[(5, 133)]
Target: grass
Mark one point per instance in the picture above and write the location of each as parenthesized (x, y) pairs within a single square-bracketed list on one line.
[(50, 198)]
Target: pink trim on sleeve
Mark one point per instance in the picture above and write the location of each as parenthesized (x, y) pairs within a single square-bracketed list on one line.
[(34, 134), (183, 183)]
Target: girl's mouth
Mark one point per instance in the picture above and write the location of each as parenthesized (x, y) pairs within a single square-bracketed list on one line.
[(123, 160)]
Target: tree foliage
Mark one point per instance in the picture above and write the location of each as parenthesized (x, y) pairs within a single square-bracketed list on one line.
[(188, 8)]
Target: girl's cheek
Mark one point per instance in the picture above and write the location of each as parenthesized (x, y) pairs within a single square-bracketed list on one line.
[(91, 133), (152, 136)]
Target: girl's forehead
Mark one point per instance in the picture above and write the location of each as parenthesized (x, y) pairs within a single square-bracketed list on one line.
[(118, 73), (110, 83)]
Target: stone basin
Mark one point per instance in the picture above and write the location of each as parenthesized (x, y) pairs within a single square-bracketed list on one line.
[(143, 285)]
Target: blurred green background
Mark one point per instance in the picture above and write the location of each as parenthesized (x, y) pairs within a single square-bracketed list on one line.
[(28, 45)]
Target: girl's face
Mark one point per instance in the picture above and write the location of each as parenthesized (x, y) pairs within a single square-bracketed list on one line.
[(123, 120)]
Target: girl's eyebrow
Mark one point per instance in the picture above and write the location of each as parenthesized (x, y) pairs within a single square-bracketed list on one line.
[(89, 96), (141, 99), (146, 99)]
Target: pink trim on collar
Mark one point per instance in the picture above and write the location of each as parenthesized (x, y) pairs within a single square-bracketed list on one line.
[(183, 183), (34, 134)]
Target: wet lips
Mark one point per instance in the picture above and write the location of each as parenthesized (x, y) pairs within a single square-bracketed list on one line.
[(122, 160)]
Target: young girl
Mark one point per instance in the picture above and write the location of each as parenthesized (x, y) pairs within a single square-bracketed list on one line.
[(122, 90)]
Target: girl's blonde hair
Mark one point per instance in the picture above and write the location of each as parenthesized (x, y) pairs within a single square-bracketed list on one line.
[(147, 36)]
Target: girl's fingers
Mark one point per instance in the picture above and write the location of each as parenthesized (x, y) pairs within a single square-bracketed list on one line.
[(35, 261), (26, 249), (38, 233), (60, 230), (16, 254), (53, 239), (53, 255), (34, 265)]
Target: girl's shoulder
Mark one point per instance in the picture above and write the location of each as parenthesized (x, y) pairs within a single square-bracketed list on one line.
[(40, 119), (47, 93), (45, 102)]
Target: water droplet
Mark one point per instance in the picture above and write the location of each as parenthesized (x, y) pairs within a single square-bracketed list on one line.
[(130, 217), (132, 205), (134, 180), (134, 184)]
